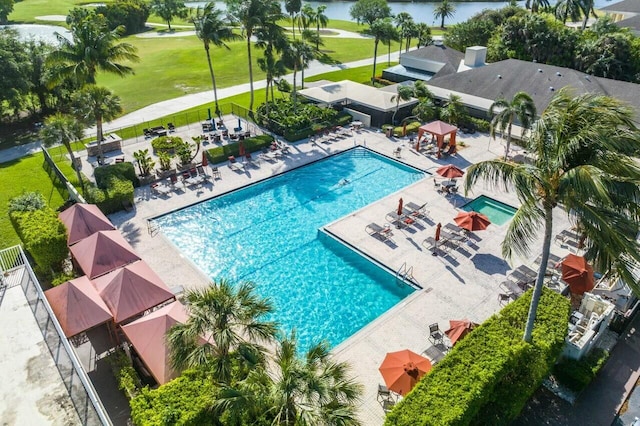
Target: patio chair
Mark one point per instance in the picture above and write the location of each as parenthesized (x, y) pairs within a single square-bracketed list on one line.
[(171, 127), (397, 152), (435, 335), (505, 298), (375, 230), (215, 172), (160, 189), (234, 165), (202, 173), (416, 211), (387, 405), (384, 394)]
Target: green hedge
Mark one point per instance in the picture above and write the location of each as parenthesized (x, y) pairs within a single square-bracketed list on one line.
[(480, 124), (489, 376), (576, 375), (128, 380), (119, 170), (411, 128), (44, 236), (341, 119), (183, 401), (220, 154), (117, 196), (166, 144)]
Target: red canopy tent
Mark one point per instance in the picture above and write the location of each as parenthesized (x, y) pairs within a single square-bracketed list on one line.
[(440, 129), (147, 335), (102, 252), (83, 220), (131, 290), (78, 306)]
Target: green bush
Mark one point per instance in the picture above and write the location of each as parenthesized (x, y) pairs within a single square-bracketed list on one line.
[(28, 201), (488, 377), (411, 128), (167, 144), (480, 124), (61, 278), (183, 401), (132, 14), (44, 236), (220, 154), (118, 195), (120, 170), (577, 374), (124, 373)]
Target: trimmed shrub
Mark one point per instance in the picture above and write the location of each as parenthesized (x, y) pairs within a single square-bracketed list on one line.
[(28, 201), (132, 14), (488, 377), (577, 374), (117, 196), (61, 278), (183, 401), (411, 128), (480, 124), (220, 154), (166, 144), (120, 170), (44, 236)]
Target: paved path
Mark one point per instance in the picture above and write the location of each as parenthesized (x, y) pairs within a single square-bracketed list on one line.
[(16, 152)]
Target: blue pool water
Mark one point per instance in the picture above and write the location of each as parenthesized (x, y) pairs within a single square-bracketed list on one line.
[(498, 213), (268, 233)]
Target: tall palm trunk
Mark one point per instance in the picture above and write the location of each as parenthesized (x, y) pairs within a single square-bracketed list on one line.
[(375, 59), (400, 48), (293, 27), (250, 72), (213, 81), (295, 92), (99, 136), (317, 35), (537, 291), (506, 150), (442, 22)]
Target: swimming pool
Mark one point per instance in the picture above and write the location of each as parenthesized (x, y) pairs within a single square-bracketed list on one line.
[(498, 213), (269, 233)]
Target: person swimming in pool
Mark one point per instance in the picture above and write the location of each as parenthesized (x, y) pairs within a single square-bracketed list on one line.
[(343, 182)]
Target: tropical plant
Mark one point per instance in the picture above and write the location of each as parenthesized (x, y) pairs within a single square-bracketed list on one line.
[(568, 9), (94, 105), (369, 11), (401, 20), (444, 10), (231, 319), (212, 30), (293, 9), (587, 7), (307, 390), (6, 7), (423, 34), (27, 202), (94, 48), (165, 160), (63, 129), (321, 20), (409, 31), (379, 29), (404, 93), (253, 14), (297, 56), (536, 5), (585, 152), (454, 111), (504, 113), (273, 40), (144, 160), (169, 9)]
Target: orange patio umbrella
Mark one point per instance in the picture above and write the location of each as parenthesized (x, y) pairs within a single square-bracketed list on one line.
[(400, 206), (577, 273), (472, 221), (401, 370), (241, 150), (450, 171), (458, 329), (205, 160)]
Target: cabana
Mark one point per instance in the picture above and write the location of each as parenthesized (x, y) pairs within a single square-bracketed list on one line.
[(78, 306), (439, 129), (147, 335), (83, 220), (102, 252), (131, 290)]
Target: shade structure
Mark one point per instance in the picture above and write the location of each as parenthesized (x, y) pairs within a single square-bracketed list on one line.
[(472, 221), (439, 129), (102, 252), (458, 329), (400, 206), (577, 273), (205, 160), (83, 220), (131, 290), (449, 171), (401, 370), (147, 335), (78, 306)]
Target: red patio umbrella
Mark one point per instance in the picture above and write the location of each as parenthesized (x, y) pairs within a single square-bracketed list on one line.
[(400, 205), (577, 273), (205, 160), (450, 171), (401, 370), (472, 221), (458, 329), (241, 150)]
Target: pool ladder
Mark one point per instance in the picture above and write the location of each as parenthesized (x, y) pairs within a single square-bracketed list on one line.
[(153, 228), (404, 274)]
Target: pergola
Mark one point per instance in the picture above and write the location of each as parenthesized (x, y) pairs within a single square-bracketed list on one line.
[(84, 220), (439, 129)]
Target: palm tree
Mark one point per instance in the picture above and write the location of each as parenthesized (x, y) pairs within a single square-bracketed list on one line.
[(321, 20), (272, 39), (212, 30), (585, 160), (253, 14), (64, 129), (454, 111), (535, 5), (94, 105), (231, 319), (379, 29), (94, 48), (169, 9), (521, 107), (297, 56), (424, 35), (410, 31), (404, 93), (568, 9), (293, 9), (587, 7), (310, 390), (444, 10), (401, 20)]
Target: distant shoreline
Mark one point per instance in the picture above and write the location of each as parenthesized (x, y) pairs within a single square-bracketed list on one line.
[(417, 1)]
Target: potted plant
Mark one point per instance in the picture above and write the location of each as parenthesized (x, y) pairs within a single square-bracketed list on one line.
[(165, 165), (145, 164), (185, 155)]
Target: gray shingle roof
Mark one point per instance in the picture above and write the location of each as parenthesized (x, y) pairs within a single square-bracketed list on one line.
[(630, 6), (632, 23), (443, 54), (505, 78)]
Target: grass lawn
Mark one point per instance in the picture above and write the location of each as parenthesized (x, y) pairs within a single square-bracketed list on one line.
[(25, 175), (359, 74), (25, 11)]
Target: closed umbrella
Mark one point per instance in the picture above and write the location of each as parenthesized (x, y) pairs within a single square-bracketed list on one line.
[(450, 171), (401, 370), (241, 150), (458, 329), (400, 205), (239, 124), (205, 161), (578, 274), (437, 238), (472, 221)]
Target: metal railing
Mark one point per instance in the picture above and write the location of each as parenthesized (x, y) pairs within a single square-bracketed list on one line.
[(71, 191), (81, 391)]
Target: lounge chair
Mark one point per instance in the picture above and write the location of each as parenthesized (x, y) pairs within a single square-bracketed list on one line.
[(397, 152), (234, 165), (378, 231), (400, 220), (505, 298), (202, 173), (435, 335), (416, 211), (160, 189), (215, 172)]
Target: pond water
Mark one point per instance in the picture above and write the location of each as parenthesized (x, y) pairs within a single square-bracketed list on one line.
[(44, 33)]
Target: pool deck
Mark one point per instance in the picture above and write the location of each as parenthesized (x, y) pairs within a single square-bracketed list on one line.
[(464, 286)]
